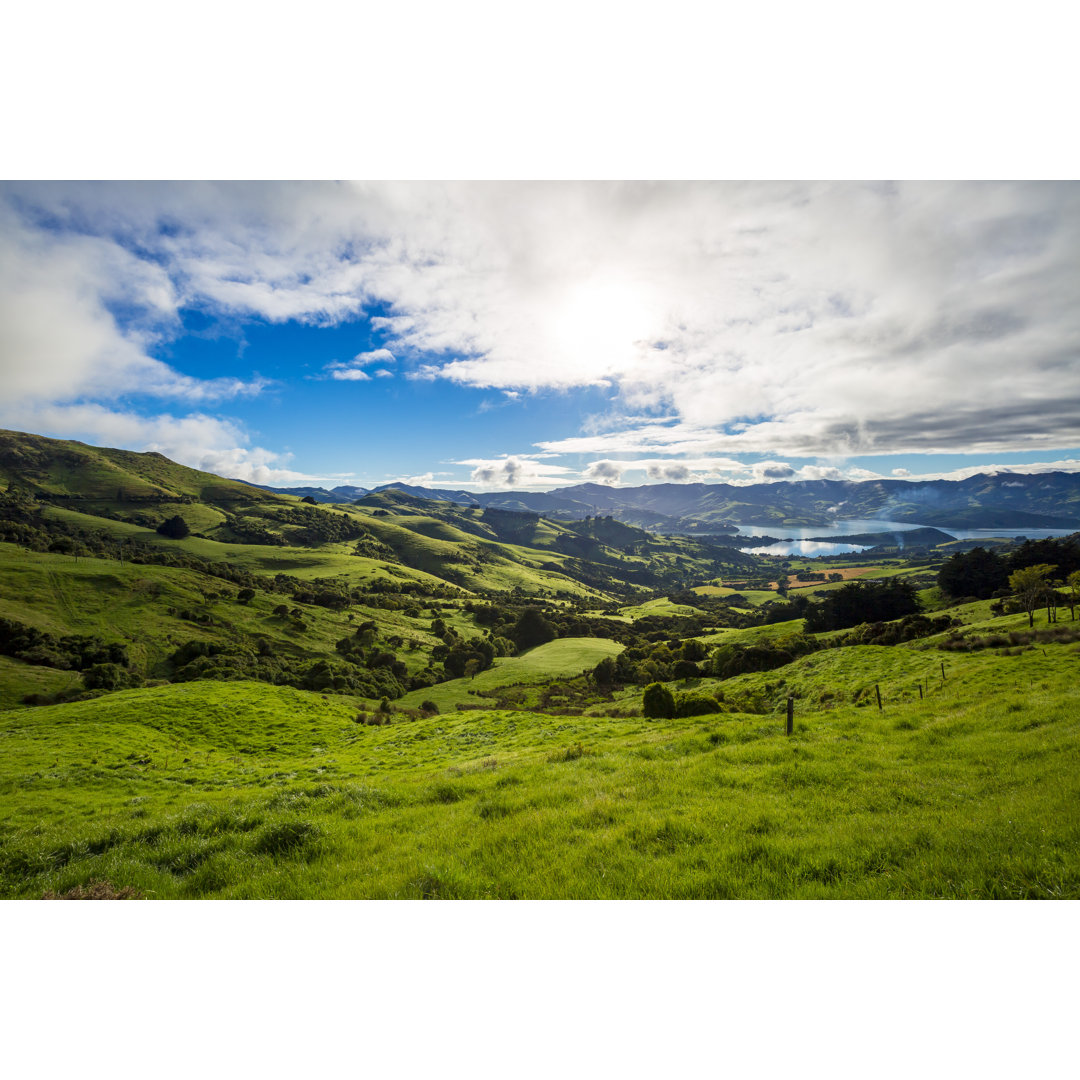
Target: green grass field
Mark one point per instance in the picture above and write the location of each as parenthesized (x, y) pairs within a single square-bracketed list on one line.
[(245, 790), (562, 657)]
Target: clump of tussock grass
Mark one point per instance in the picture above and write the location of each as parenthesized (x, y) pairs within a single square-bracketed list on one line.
[(447, 793), (432, 885), (495, 808), (571, 753), (286, 837), (96, 890)]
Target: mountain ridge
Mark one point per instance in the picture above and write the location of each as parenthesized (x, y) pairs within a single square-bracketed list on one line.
[(985, 500)]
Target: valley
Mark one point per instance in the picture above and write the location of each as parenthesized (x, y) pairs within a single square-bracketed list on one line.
[(389, 694)]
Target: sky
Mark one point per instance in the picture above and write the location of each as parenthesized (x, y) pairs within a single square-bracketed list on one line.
[(535, 335)]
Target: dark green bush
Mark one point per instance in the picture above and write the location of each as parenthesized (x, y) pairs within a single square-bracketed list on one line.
[(658, 702), (696, 704)]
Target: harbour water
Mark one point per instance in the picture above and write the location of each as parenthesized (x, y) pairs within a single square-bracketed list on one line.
[(796, 540)]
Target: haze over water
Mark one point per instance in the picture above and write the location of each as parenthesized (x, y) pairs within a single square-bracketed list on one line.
[(796, 537)]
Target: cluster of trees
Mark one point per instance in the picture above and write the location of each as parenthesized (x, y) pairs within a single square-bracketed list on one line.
[(104, 666), (648, 662), (862, 602), (315, 527), (728, 661), (909, 628), (983, 574), (210, 660), (70, 653)]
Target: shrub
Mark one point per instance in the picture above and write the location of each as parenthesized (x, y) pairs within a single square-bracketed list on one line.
[(696, 705), (429, 707), (658, 702), (109, 677)]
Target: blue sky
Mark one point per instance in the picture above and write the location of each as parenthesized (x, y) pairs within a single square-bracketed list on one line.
[(536, 335)]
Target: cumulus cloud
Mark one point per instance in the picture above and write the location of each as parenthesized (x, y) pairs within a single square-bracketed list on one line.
[(379, 356), (347, 374), (353, 370), (901, 473), (777, 319), (765, 471), (604, 472), (673, 472), (820, 472), (512, 471), (60, 338)]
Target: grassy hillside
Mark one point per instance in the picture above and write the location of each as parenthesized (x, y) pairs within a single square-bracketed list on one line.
[(249, 710), (247, 790), (563, 657)]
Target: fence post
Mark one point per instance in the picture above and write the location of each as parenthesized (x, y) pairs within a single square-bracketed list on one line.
[(790, 715), (942, 670), (877, 690), (920, 691)]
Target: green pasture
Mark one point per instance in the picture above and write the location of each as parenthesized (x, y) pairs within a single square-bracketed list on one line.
[(243, 790), (142, 607), (660, 606), (556, 659)]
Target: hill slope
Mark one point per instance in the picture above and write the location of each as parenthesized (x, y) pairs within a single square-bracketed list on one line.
[(250, 791)]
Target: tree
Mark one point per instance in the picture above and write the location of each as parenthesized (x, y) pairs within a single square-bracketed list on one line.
[(309, 500), (531, 629), (1073, 581), (977, 573), (175, 528), (604, 672), (1029, 587), (244, 595), (658, 702)]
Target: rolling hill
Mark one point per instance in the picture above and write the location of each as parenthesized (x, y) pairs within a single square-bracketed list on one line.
[(399, 696)]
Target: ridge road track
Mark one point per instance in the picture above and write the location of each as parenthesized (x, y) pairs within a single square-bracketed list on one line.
[(61, 596)]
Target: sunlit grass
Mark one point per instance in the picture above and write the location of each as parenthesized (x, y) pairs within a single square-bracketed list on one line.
[(244, 790)]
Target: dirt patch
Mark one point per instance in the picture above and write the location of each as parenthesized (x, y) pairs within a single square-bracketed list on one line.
[(846, 572)]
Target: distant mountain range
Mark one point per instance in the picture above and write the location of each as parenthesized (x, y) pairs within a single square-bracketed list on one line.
[(984, 501)]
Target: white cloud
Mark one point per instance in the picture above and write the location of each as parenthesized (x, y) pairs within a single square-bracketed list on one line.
[(59, 338), (353, 370), (672, 472), (769, 471), (376, 356), (514, 471), (780, 319), (1032, 469), (604, 472), (820, 472), (210, 443), (901, 473)]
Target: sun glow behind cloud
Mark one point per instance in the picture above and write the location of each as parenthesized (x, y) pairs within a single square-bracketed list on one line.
[(811, 321), (599, 326)]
